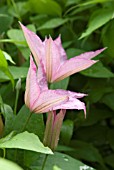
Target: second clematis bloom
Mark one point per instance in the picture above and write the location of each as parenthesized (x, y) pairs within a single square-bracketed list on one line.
[(54, 58), (39, 99)]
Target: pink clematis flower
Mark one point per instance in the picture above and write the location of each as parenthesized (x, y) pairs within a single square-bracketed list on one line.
[(54, 58), (39, 99)]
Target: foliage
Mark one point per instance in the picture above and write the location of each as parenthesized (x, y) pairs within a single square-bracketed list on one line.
[(83, 26)]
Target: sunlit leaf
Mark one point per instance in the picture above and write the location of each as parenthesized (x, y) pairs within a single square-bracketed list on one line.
[(27, 141), (7, 164)]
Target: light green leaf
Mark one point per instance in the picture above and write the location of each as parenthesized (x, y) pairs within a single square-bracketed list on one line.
[(26, 141), (8, 57), (18, 40), (17, 72), (93, 2), (53, 23), (56, 168), (98, 19), (45, 7), (4, 67), (97, 71), (8, 165)]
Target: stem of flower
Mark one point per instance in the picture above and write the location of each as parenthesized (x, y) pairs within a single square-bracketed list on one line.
[(4, 152), (16, 101), (44, 162), (27, 121)]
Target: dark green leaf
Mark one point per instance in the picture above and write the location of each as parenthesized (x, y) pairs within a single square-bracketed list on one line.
[(45, 7), (109, 100), (97, 71), (61, 84), (66, 131), (53, 23), (5, 22), (98, 19), (63, 162)]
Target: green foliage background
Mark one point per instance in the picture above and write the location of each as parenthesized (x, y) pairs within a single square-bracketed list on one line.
[(84, 25)]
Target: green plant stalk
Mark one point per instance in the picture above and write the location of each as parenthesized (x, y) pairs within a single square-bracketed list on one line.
[(4, 152), (16, 101), (27, 121), (44, 162), (16, 9)]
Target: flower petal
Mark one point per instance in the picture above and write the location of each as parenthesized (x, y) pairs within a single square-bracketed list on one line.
[(32, 89), (72, 66), (90, 54), (72, 103), (34, 42), (48, 100), (41, 78), (63, 55), (52, 53)]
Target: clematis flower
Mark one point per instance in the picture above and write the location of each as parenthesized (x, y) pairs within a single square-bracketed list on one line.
[(54, 58), (53, 127), (39, 99)]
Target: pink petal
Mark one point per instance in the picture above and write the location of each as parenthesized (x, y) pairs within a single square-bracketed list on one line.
[(70, 93), (32, 89), (47, 100), (72, 103), (72, 66), (52, 53), (63, 55), (90, 55), (34, 42), (41, 78)]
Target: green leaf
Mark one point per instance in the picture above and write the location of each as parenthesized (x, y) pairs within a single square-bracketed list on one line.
[(53, 23), (6, 165), (108, 100), (107, 38), (110, 160), (26, 141), (5, 22), (49, 7), (18, 40), (111, 138), (63, 84), (56, 168), (17, 123), (9, 116), (8, 57), (86, 151), (4, 67), (97, 71), (67, 131), (17, 72), (98, 19), (62, 161), (93, 2)]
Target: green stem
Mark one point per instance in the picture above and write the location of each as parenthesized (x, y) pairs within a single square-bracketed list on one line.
[(4, 152), (16, 101), (16, 10), (44, 162), (27, 121)]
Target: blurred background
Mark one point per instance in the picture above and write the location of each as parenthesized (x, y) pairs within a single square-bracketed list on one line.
[(84, 25)]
